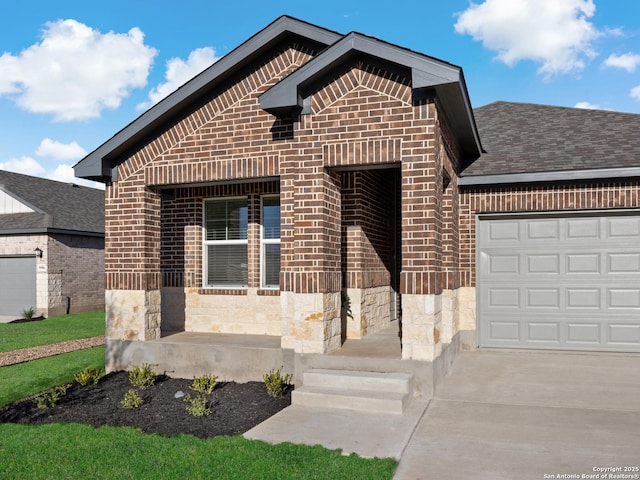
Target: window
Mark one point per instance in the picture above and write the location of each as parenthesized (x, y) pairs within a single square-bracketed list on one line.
[(225, 242), (270, 242)]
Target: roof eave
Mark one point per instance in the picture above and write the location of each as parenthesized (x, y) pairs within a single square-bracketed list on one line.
[(446, 80), (47, 231), (554, 176)]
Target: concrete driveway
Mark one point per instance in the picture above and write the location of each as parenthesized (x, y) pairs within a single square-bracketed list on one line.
[(530, 415), (8, 318)]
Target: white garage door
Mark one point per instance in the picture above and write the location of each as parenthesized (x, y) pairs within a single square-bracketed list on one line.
[(17, 284), (559, 282)]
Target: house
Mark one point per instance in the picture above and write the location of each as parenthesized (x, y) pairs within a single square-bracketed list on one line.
[(312, 188), (51, 246)]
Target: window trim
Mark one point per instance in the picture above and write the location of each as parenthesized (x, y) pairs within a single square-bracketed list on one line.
[(206, 243), (267, 241)]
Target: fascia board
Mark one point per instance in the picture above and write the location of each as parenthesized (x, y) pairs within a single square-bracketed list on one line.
[(556, 176)]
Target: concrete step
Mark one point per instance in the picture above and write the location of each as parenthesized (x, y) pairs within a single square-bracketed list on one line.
[(359, 380), (355, 390), (360, 400)]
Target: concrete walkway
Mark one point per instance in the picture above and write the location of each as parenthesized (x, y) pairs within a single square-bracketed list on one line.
[(8, 318), (499, 415)]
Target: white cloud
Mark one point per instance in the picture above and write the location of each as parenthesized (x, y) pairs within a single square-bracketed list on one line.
[(64, 173), (25, 165), (75, 72), (626, 61), (60, 151), (635, 93), (179, 72), (554, 33), (587, 106)]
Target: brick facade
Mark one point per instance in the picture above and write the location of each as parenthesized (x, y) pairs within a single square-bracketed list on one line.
[(386, 218)]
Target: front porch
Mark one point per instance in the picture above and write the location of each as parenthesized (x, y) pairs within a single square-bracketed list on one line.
[(244, 358)]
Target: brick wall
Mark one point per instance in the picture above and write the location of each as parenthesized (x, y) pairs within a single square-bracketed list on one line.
[(535, 198), (76, 271), (364, 118), (181, 232), (368, 226), (227, 137)]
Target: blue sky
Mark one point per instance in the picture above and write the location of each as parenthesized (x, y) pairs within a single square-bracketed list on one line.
[(73, 73)]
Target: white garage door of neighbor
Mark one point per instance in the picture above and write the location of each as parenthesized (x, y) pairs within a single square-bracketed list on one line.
[(17, 284), (569, 282)]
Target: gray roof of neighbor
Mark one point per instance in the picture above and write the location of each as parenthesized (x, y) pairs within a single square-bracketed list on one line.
[(59, 207), (523, 138)]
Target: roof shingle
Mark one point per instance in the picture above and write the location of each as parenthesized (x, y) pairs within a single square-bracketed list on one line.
[(64, 206), (527, 138)]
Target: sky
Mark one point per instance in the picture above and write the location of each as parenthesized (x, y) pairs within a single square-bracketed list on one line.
[(74, 73)]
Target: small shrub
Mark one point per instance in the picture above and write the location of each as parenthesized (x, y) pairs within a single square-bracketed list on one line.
[(49, 398), (197, 405), (29, 313), (204, 384), (276, 383), (88, 376), (142, 376), (132, 399)]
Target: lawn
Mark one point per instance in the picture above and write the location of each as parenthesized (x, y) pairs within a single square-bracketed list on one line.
[(25, 379), (51, 330), (80, 451)]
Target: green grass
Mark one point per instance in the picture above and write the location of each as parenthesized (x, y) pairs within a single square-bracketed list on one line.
[(80, 451), (25, 379), (51, 330)]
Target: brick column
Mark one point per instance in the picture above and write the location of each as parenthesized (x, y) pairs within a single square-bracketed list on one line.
[(132, 263), (310, 268), (420, 278)]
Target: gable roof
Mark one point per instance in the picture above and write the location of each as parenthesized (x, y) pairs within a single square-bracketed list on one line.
[(57, 207), (525, 142), (98, 165), (427, 73), (445, 79)]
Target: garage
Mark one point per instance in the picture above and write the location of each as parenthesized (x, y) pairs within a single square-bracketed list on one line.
[(565, 281), (17, 284)]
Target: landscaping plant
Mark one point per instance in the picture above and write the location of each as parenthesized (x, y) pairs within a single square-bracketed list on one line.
[(276, 383), (197, 405), (142, 376), (132, 399), (49, 398), (88, 376), (29, 313), (204, 384)]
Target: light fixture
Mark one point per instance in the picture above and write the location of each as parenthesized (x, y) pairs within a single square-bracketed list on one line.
[(38, 252)]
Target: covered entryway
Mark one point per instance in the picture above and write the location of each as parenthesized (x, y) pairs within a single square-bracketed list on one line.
[(17, 284), (559, 281)]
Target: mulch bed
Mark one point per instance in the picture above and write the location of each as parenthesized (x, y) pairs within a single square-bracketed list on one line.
[(236, 407)]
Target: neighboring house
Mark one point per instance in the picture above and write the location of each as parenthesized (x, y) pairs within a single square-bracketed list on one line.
[(51, 246), (308, 166)]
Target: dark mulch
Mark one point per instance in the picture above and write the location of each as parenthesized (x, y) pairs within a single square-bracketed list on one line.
[(236, 407)]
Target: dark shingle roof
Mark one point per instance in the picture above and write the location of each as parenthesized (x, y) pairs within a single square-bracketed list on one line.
[(525, 138), (58, 205)]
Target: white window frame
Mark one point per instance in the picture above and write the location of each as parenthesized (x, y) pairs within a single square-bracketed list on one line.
[(206, 243), (267, 241)]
